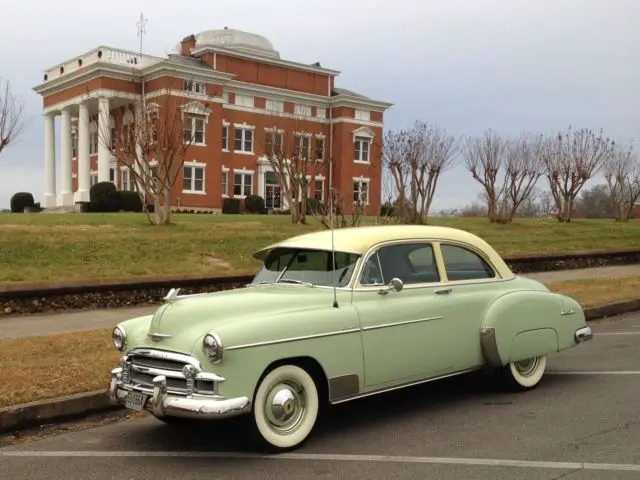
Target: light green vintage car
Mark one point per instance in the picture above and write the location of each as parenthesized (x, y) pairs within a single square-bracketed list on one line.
[(403, 305)]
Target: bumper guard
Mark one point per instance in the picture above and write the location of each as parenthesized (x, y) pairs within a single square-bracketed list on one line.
[(584, 334)]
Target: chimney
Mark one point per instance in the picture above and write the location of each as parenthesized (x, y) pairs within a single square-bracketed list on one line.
[(187, 44)]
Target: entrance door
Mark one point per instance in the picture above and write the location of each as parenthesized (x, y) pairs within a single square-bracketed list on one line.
[(272, 197)]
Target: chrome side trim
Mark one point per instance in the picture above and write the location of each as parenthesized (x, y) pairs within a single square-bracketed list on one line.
[(403, 385), (490, 347), (293, 339), (397, 324)]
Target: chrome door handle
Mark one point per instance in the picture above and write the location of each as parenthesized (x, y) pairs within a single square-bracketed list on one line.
[(442, 291)]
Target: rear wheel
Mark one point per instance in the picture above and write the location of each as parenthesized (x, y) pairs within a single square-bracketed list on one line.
[(286, 406), (524, 374)]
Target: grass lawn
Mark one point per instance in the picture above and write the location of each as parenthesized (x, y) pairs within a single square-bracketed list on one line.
[(38, 368), (39, 247)]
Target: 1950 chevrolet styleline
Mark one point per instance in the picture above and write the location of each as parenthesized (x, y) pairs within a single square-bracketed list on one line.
[(403, 305)]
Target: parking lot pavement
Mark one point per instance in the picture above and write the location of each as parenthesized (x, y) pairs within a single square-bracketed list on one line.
[(582, 426)]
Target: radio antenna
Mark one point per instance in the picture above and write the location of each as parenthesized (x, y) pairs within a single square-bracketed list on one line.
[(333, 249)]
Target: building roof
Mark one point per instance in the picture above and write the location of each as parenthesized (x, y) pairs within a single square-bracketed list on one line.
[(351, 93), (231, 39), (359, 239)]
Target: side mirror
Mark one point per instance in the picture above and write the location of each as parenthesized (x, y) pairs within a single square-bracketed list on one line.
[(396, 284)]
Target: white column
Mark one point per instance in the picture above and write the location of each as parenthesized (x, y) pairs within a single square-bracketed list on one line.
[(82, 195), (65, 197), (104, 140), (49, 197)]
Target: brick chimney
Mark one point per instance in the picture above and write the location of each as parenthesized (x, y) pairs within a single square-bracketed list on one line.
[(187, 44)]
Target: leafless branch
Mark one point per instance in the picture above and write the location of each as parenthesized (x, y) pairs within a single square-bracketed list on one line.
[(12, 122)]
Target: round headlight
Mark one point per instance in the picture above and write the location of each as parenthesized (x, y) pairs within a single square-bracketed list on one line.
[(212, 347), (119, 337)]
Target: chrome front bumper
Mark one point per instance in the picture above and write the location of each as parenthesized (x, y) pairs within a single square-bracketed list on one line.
[(161, 403), (584, 334)]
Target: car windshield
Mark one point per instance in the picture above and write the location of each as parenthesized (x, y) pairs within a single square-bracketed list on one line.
[(291, 265)]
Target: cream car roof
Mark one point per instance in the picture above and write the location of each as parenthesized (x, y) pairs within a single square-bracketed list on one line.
[(360, 239)]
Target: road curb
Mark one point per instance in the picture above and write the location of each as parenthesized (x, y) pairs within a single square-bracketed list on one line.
[(84, 404), (54, 410)]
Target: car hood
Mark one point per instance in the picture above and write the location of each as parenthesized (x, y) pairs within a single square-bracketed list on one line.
[(185, 321)]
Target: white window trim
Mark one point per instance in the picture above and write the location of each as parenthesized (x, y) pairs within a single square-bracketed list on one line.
[(193, 83), (225, 170), (361, 180), (279, 104), (323, 110), (363, 139), (244, 126), (132, 182), (204, 177), (250, 99), (302, 109), (361, 114), (319, 178), (243, 171), (226, 125)]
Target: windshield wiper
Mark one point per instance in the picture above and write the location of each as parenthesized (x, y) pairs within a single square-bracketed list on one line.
[(291, 280)]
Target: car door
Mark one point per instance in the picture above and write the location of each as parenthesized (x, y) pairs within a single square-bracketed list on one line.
[(404, 333), (472, 284)]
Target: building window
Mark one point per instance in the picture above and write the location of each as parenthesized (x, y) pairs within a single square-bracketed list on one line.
[(112, 175), (74, 145), (243, 140), (225, 184), (126, 182), (361, 149), (319, 148), (361, 191), (194, 129), (242, 184), (244, 100), (318, 190), (273, 143), (363, 115), (275, 105), (192, 86), (321, 112), (193, 178), (303, 110), (225, 137), (93, 143), (301, 146), (93, 179)]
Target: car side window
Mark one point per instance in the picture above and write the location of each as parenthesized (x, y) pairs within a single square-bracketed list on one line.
[(410, 262), (462, 264)]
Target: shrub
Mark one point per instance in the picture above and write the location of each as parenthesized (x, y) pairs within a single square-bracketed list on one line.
[(314, 206), (231, 205), (254, 204), (103, 197), (387, 209), (130, 201), (20, 201)]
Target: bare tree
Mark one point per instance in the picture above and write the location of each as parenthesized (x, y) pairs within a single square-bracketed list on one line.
[(334, 214), (485, 158), (294, 155), (622, 174), (149, 132), (570, 159), (12, 122), (415, 159)]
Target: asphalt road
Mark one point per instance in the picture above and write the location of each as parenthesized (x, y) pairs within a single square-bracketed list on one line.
[(582, 422)]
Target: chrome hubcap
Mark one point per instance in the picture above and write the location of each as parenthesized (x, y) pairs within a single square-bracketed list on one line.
[(285, 406), (528, 366)]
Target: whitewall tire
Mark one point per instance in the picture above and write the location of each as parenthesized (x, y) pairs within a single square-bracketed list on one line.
[(525, 374), (285, 407)]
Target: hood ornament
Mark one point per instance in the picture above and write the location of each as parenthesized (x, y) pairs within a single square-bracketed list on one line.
[(156, 337)]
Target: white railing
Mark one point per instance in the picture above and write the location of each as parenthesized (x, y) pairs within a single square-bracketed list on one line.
[(102, 54)]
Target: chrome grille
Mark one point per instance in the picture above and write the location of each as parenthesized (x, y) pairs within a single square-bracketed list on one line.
[(142, 367)]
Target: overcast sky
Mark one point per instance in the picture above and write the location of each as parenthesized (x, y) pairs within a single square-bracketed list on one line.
[(466, 65)]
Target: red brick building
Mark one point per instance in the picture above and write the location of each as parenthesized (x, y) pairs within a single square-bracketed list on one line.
[(233, 88)]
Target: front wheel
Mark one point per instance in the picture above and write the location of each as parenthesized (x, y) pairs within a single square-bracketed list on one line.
[(285, 408), (524, 374)]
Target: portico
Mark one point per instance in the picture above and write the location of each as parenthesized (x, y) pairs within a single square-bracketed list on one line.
[(89, 121)]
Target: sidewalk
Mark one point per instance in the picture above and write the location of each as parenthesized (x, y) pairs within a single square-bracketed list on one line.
[(46, 324)]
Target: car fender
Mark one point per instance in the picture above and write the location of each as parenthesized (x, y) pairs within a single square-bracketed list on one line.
[(520, 325)]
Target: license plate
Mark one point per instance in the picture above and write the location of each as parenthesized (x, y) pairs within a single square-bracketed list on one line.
[(136, 401)]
